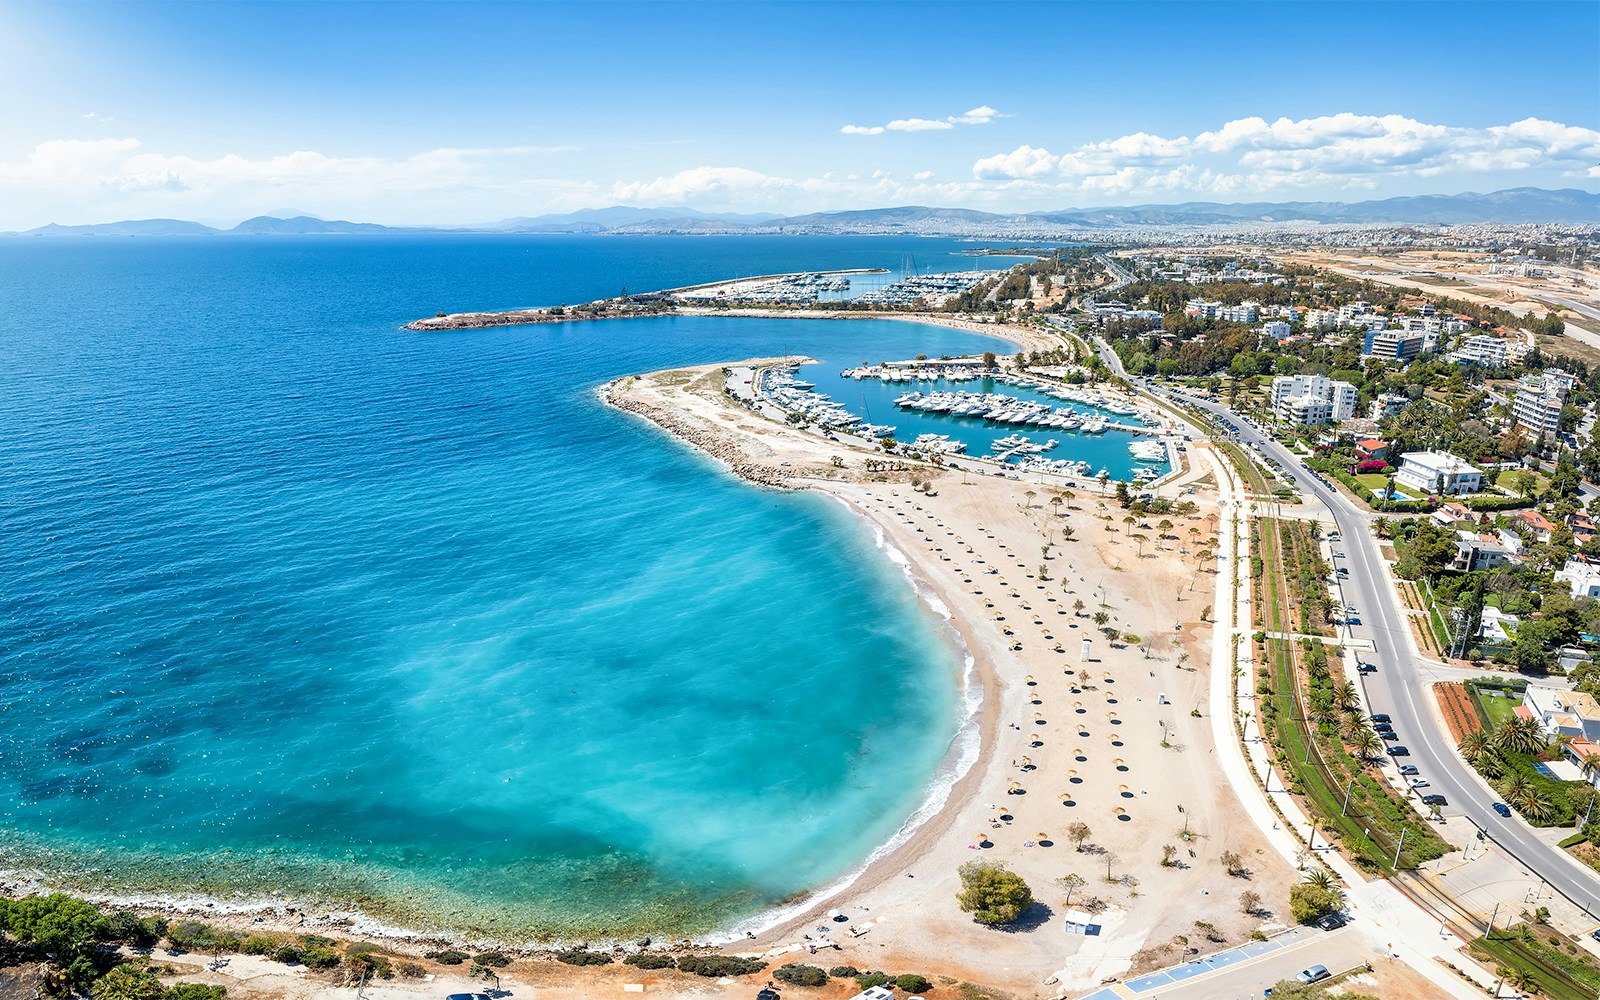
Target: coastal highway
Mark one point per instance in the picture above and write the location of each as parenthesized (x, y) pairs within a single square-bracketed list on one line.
[(1396, 688)]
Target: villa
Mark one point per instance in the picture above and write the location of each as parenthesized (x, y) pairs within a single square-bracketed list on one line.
[(1582, 576), (1438, 472), (1563, 713)]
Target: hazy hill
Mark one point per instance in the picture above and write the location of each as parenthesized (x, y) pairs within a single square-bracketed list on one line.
[(304, 224), (140, 227)]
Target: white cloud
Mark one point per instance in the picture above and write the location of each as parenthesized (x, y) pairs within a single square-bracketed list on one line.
[(922, 175), (1024, 161), (95, 116), (980, 115), (1334, 151), (918, 125)]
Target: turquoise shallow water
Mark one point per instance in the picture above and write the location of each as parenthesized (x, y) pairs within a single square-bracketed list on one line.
[(293, 601)]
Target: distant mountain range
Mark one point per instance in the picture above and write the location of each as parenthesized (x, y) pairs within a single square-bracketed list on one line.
[(1515, 206)]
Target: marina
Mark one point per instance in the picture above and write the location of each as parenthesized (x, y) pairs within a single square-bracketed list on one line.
[(958, 411)]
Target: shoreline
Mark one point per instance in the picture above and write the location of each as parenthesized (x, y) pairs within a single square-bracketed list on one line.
[(901, 896)]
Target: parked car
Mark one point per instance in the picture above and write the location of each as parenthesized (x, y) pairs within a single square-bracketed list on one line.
[(1388, 735), (1434, 800), (1352, 620), (1315, 974), (1408, 769), (1381, 717), (1332, 922), (1366, 668), (1505, 810), (1399, 751), (1419, 782)]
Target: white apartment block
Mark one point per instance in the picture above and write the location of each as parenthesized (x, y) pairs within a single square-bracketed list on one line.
[(1276, 329), (1539, 400), (1494, 352), (1424, 471), (1312, 400)]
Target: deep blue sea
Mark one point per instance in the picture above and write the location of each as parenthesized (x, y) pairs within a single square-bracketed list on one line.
[(294, 601)]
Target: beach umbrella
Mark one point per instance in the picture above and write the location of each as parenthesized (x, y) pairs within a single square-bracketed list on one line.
[(1028, 678), (1119, 811), (1116, 762), (1041, 836), (1072, 773), (1027, 760), (1037, 715), (1013, 784)]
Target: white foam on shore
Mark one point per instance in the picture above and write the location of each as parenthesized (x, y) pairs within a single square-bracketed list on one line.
[(958, 759)]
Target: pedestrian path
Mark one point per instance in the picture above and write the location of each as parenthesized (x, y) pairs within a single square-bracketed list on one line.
[(1189, 970)]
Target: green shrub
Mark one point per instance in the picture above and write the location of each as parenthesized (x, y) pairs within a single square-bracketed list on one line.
[(194, 991), (716, 966), (912, 983), (844, 971), (367, 963), (288, 955), (867, 980), (800, 975), (1307, 902), (136, 931), (580, 957), (446, 957), (318, 957), (260, 944), (129, 982), (493, 959), (411, 970), (646, 960)]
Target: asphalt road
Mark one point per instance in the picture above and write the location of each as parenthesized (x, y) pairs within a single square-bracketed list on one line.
[(1395, 688)]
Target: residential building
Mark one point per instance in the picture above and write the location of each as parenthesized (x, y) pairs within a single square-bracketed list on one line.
[(1427, 471), (1492, 352), (1452, 513), (1277, 329), (1323, 400), (1539, 400), (1475, 551), (1581, 576), (1580, 752), (1563, 713), (1399, 346), (1373, 449), (1387, 405)]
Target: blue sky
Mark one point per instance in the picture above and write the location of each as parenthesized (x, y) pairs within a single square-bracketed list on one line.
[(447, 113)]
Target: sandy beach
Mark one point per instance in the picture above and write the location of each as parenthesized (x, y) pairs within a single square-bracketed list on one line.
[(1116, 740)]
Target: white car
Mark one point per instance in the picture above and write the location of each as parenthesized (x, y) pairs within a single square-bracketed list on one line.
[(1419, 782)]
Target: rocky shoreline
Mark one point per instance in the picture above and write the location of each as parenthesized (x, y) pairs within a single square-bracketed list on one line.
[(703, 440)]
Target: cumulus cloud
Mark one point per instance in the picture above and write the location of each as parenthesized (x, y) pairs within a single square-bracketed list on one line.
[(980, 115), (918, 125), (95, 116), (922, 175), (1340, 151)]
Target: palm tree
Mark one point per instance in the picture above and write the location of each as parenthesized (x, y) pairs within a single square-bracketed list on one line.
[(1516, 786), (1066, 532), (1474, 745), (1520, 736), (1533, 802), (1366, 744), (1591, 764), (1130, 521), (1347, 697), (1320, 878)]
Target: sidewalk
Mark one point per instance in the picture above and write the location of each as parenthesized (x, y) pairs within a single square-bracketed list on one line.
[(1406, 931)]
